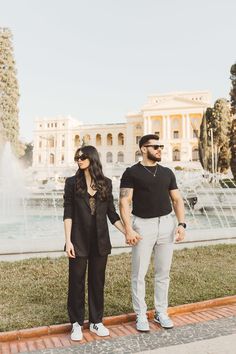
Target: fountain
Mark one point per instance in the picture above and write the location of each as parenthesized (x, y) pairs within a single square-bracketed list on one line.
[(12, 189), (31, 213)]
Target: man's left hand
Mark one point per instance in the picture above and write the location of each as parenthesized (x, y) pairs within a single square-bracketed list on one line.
[(179, 234)]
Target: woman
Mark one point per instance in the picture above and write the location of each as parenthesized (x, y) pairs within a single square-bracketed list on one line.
[(88, 201)]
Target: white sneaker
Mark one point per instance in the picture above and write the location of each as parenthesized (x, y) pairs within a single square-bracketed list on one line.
[(99, 329), (76, 332), (163, 319), (142, 323)]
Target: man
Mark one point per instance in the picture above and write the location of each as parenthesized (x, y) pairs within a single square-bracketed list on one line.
[(151, 188)]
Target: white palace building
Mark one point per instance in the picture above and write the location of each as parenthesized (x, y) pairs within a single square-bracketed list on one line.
[(174, 117)]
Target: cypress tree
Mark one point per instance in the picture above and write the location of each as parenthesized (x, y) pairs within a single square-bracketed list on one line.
[(9, 93)]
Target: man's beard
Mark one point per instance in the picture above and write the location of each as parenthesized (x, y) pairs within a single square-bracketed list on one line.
[(153, 157)]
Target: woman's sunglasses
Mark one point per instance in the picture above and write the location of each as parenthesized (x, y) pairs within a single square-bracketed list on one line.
[(155, 147), (81, 157)]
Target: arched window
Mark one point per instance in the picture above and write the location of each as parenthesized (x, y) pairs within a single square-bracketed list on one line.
[(51, 159), (120, 139), (109, 157), (195, 154), (120, 156), (86, 139), (77, 141), (176, 154), (138, 156), (109, 139), (98, 139)]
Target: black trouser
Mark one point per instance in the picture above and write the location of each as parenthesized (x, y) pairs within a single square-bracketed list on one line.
[(96, 280)]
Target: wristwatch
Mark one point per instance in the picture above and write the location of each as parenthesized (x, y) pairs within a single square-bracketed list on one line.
[(182, 224)]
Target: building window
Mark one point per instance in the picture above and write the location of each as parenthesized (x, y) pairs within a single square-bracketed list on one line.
[(120, 156), (63, 141), (48, 125), (62, 158), (195, 133), (51, 159), (138, 156), (109, 158), (98, 139), (176, 134), (40, 143), (40, 125), (51, 125), (109, 139), (51, 142), (40, 159), (77, 141), (86, 139), (176, 155), (195, 154), (120, 139), (137, 139), (55, 125)]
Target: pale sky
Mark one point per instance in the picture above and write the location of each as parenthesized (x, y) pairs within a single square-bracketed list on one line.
[(97, 60)]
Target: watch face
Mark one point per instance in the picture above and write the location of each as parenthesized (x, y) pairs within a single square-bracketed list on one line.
[(182, 224)]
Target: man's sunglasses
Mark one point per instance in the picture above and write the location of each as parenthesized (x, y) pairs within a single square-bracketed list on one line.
[(155, 147), (81, 157)]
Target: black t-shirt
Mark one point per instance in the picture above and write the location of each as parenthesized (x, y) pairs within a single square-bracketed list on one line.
[(150, 194)]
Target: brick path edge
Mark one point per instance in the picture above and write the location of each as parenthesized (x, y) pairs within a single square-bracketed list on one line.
[(113, 320)]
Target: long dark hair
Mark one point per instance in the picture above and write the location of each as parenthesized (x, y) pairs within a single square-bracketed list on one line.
[(99, 181)]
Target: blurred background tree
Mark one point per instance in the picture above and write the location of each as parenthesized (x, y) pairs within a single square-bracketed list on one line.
[(9, 94), (233, 127), (27, 158), (218, 120)]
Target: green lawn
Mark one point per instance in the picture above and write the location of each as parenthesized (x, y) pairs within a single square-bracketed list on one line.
[(34, 292)]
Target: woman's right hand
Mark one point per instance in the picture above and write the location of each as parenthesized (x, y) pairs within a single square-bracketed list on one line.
[(70, 249)]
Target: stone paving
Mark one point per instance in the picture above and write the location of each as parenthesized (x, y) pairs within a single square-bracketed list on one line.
[(147, 341), (190, 327)]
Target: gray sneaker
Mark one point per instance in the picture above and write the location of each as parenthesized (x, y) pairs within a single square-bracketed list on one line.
[(142, 323), (164, 320)]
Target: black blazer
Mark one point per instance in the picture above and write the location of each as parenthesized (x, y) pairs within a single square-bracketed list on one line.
[(77, 208)]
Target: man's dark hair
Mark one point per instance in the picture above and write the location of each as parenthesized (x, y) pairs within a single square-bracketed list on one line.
[(146, 138)]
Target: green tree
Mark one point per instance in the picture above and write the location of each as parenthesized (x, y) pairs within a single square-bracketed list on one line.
[(218, 120), (27, 158), (9, 93), (204, 143), (233, 127)]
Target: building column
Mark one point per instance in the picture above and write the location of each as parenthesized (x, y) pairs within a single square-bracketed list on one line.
[(188, 127), (168, 127), (163, 127), (145, 125), (149, 125), (183, 126)]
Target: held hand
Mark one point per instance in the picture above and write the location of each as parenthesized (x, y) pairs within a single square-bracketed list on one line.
[(132, 237), (179, 233), (70, 250)]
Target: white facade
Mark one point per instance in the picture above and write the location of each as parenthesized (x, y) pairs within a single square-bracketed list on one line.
[(175, 117)]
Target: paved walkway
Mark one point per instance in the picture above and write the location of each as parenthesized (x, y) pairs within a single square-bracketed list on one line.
[(209, 331)]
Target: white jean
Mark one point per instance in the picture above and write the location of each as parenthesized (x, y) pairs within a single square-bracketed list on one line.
[(158, 234)]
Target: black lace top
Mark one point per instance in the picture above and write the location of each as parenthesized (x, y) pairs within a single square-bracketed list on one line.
[(92, 203)]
